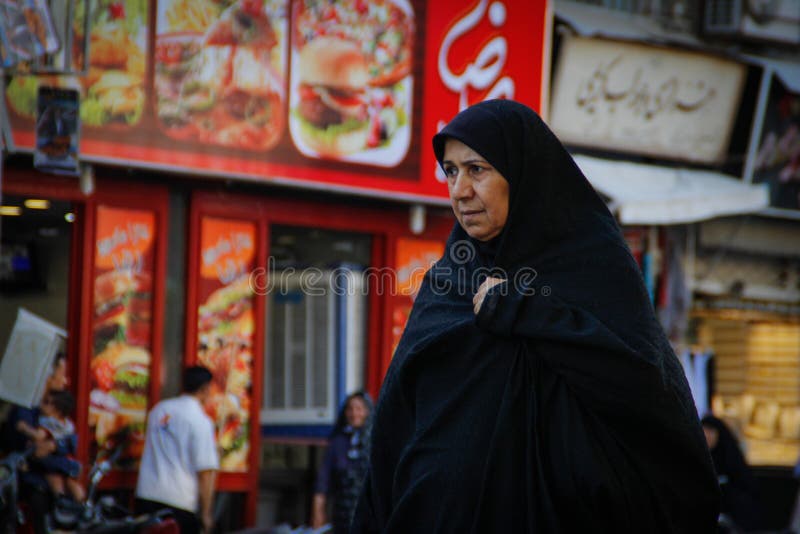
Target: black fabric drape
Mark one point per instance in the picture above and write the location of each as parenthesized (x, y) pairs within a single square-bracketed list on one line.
[(560, 407)]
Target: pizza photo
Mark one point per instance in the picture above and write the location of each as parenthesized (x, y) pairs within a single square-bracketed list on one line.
[(351, 84)]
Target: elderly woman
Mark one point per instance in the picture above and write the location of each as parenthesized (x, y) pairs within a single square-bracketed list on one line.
[(533, 389)]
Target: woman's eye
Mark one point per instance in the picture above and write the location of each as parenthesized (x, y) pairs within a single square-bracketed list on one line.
[(476, 169), (451, 172)]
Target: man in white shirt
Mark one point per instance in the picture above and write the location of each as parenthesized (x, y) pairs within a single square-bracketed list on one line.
[(180, 461)]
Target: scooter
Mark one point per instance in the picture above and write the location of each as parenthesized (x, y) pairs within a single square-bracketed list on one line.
[(98, 514), (102, 514)]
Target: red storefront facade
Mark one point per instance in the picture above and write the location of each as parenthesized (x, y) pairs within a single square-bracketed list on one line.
[(239, 208)]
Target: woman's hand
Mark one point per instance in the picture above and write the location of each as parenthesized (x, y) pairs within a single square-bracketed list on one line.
[(487, 284)]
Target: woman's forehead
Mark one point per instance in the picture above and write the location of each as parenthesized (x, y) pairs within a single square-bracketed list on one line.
[(455, 151)]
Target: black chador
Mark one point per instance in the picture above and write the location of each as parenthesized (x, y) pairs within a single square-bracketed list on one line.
[(560, 407)]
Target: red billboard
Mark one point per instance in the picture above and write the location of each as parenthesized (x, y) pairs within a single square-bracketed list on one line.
[(338, 95)]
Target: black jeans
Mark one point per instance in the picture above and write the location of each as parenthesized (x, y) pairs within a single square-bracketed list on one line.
[(187, 521)]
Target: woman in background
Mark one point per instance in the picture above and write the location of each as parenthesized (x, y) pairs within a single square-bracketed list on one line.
[(739, 494), (345, 464)]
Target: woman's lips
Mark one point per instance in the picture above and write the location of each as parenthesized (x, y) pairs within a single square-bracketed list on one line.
[(469, 214)]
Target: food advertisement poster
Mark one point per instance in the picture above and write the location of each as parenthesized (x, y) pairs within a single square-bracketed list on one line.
[(413, 259), (778, 158), (313, 93), (121, 327), (225, 332), (113, 92)]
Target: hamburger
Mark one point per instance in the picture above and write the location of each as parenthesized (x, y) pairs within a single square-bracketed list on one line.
[(122, 308), (122, 372), (332, 106), (225, 306)]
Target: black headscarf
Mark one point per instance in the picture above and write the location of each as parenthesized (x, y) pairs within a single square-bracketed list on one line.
[(560, 407)]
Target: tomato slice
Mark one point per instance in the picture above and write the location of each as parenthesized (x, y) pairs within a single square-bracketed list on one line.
[(307, 92), (346, 100), (103, 374)]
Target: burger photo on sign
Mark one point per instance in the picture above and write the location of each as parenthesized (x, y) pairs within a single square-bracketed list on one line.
[(351, 84), (120, 377), (219, 72), (120, 367)]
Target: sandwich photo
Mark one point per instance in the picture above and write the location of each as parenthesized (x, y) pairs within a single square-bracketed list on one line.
[(120, 381), (332, 109), (223, 84), (123, 372), (225, 306), (351, 86), (122, 302), (114, 85)]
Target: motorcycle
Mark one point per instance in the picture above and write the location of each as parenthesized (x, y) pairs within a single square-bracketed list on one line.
[(97, 514), (102, 514)]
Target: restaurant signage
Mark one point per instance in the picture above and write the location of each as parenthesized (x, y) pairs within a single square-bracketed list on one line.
[(338, 95), (225, 328), (124, 263)]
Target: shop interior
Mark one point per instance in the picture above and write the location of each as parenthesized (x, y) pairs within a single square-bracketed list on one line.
[(35, 246)]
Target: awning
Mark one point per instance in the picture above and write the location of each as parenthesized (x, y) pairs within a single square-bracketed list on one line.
[(788, 72), (647, 194), (598, 21)]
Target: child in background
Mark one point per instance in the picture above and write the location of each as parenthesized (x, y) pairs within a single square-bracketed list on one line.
[(61, 469)]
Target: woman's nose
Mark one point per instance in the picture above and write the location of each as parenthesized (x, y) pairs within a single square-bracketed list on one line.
[(462, 188)]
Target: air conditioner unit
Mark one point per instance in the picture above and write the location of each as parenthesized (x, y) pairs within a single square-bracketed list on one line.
[(315, 351), (774, 21)]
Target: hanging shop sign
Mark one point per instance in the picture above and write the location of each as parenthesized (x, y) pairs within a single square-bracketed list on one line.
[(299, 92), (122, 322), (646, 100), (225, 328), (777, 162)]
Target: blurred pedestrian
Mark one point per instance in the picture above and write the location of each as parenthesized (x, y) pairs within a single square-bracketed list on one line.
[(344, 465), (739, 493), (179, 465), (533, 389), (22, 431)]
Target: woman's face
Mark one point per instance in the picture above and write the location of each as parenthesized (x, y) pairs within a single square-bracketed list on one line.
[(478, 193), (58, 379), (356, 412), (712, 436)]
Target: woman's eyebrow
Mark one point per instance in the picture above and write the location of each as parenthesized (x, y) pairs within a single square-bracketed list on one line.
[(465, 162)]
